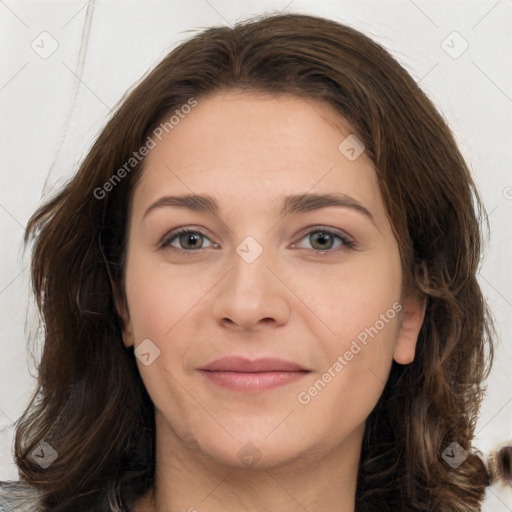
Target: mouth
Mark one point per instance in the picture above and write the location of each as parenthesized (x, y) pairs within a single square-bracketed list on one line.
[(241, 374)]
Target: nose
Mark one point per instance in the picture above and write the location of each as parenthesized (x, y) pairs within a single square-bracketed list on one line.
[(252, 295)]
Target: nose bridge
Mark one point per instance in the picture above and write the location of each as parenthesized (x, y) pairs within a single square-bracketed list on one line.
[(251, 292), (250, 274), (250, 250)]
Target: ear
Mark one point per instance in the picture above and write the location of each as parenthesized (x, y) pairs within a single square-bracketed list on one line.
[(122, 310), (412, 317)]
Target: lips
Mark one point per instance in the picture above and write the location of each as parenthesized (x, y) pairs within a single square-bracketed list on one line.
[(242, 365), (240, 374)]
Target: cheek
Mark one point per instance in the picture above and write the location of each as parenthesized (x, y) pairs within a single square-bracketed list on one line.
[(168, 307), (157, 310), (358, 356), (157, 298), (355, 296), (362, 310), (146, 300)]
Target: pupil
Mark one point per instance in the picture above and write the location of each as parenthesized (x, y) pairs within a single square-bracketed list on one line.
[(191, 238), (323, 237)]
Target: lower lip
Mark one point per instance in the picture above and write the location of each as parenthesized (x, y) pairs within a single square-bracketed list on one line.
[(255, 381)]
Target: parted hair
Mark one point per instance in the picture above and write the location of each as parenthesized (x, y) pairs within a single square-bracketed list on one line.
[(91, 405)]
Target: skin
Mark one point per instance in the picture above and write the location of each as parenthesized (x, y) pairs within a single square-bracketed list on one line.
[(248, 150)]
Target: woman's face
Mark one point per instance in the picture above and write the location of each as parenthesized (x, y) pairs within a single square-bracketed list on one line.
[(272, 274)]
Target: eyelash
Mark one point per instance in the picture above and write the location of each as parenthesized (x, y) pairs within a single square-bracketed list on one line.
[(164, 244)]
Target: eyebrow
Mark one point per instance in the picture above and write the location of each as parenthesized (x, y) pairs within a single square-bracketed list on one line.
[(294, 203)]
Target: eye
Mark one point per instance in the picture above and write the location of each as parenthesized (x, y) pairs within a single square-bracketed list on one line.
[(189, 239), (322, 240)]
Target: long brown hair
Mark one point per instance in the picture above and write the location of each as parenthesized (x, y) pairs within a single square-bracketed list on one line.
[(91, 405)]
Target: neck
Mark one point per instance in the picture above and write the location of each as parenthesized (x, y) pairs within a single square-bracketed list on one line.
[(187, 480)]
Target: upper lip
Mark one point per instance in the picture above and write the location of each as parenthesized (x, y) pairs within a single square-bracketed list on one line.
[(242, 364)]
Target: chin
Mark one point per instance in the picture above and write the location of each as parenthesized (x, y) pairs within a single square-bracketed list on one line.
[(255, 454)]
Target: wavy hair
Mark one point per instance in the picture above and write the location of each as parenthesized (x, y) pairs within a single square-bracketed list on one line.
[(91, 405)]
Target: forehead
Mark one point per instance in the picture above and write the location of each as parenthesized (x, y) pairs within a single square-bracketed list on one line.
[(235, 123), (254, 148)]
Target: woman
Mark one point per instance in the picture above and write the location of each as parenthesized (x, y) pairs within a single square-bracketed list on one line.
[(204, 350)]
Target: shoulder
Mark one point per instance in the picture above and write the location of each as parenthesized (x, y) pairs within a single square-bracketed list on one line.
[(17, 496)]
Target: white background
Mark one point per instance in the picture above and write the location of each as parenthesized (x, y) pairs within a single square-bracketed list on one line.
[(52, 109)]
